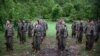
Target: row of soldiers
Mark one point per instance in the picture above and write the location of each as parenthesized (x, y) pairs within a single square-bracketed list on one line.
[(91, 29), (37, 31)]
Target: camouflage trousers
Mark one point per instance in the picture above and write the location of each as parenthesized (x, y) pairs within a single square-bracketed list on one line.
[(36, 42), (23, 37), (90, 42), (61, 43), (79, 37), (73, 33), (30, 33), (9, 43), (18, 34)]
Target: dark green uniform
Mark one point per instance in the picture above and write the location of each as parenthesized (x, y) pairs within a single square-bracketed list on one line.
[(37, 35), (80, 32), (90, 36), (9, 33), (23, 32), (62, 34), (19, 29), (30, 27), (73, 29)]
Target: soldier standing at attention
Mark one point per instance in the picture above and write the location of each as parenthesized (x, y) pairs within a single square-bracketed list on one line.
[(90, 35), (9, 34), (19, 29), (74, 29), (23, 32), (80, 32), (30, 28), (45, 28), (37, 35), (62, 34)]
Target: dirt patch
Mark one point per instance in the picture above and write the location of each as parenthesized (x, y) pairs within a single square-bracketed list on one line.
[(51, 50)]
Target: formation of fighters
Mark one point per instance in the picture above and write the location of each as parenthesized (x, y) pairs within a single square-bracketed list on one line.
[(91, 29)]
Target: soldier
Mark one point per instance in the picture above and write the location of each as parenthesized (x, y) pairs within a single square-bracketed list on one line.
[(9, 33), (90, 35), (19, 29), (98, 30), (26, 23), (80, 32), (74, 29), (37, 35), (57, 24), (45, 28), (30, 27), (23, 32), (62, 34)]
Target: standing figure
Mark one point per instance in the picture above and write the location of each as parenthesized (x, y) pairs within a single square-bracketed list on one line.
[(45, 28), (74, 24), (80, 32), (19, 29), (90, 35), (23, 32), (62, 34), (30, 27), (9, 34), (37, 35)]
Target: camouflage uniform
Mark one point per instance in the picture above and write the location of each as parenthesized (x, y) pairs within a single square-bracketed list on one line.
[(45, 28), (30, 27), (9, 33), (37, 35), (90, 36), (74, 29), (23, 33), (80, 32), (61, 36), (19, 29)]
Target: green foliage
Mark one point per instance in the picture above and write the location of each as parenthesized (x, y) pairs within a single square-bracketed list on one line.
[(56, 12), (48, 9), (67, 7)]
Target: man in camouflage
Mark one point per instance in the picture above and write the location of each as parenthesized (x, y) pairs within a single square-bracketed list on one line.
[(62, 34), (90, 35), (19, 29), (80, 32), (74, 29), (30, 27), (45, 28), (37, 35), (9, 33), (23, 32)]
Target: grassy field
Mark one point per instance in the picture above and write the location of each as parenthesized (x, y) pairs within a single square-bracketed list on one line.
[(51, 35)]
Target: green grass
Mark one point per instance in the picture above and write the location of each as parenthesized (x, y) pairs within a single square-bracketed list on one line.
[(51, 35)]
